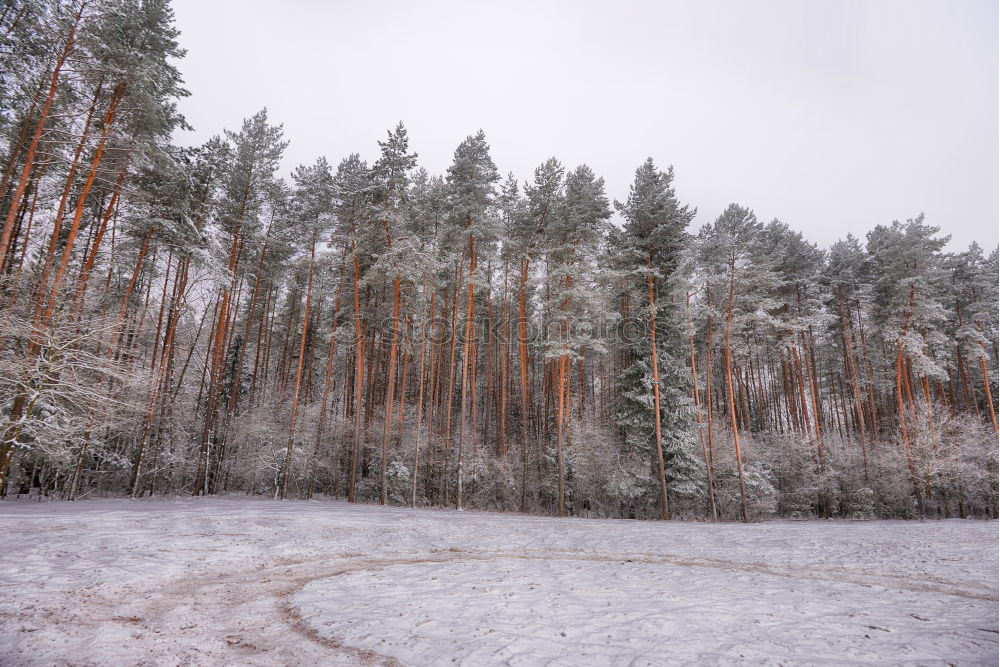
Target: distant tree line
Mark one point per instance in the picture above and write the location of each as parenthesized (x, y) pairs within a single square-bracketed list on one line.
[(182, 320)]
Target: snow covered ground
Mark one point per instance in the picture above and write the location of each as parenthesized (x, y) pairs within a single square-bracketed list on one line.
[(246, 581)]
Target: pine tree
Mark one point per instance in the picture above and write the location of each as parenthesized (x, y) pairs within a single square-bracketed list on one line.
[(800, 314), (390, 182), (844, 280), (313, 204), (256, 150), (574, 239), (973, 293), (906, 306), (650, 249), (132, 86), (542, 197), (471, 190), (352, 192), (739, 270)]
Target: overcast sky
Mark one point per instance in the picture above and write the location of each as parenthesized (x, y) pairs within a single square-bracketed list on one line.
[(831, 116)]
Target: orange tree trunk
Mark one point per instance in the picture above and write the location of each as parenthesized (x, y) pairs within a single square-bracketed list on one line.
[(904, 431), (987, 392), (469, 331), (522, 325), (359, 373), (390, 388), (708, 389), (29, 161), (88, 264), (287, 467), (697, 406), (744, 516), (420, 399), (661, 464), (60, 274)]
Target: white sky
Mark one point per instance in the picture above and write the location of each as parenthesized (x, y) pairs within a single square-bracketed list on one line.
[(831, 116)]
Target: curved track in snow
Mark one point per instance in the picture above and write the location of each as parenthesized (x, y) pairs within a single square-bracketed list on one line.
[(227, 581)]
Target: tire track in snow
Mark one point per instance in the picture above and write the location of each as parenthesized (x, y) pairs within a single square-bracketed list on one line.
[(245, 617)]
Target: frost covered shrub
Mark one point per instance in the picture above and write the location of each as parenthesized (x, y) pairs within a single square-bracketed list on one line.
[(805, 488), (796, 475), (848, 492), (367, 490), (76, 403), (758, 476), (493, 483), (258, 442), (862, 504), (957, 463), (399, 479), (593, 455), (627, 484), (891, 482), (950, 471)]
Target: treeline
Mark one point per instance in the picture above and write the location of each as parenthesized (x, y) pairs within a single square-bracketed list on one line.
[(182, 320)]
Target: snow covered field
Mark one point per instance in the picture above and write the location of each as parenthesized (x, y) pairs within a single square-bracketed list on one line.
[(246, 581)]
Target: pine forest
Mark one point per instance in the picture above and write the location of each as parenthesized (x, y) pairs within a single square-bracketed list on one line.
[(191, 321)]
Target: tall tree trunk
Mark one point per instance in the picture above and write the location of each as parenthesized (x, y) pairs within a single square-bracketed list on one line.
[(390, 388), (744, 515), (286, 468), (560, 464), (697, 406), (42, 319), (88, 264), (504, 363), (852, 370), (435, 389), (522, 325), (810, 374), (420, 398), (660, 461), (987, 392), (469, 313), (217, 366), (904, 431), (708, 388), (359, 373), (29, 161), (448, 397), (12, 299)]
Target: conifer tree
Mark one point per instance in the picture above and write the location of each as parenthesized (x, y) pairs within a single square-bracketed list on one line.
[(650, 247), (740, 271), (906, 305), (542, 197), (256, 150), (574, 241), (471, 190), (390, 183), (313, 203), (352, 192)]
